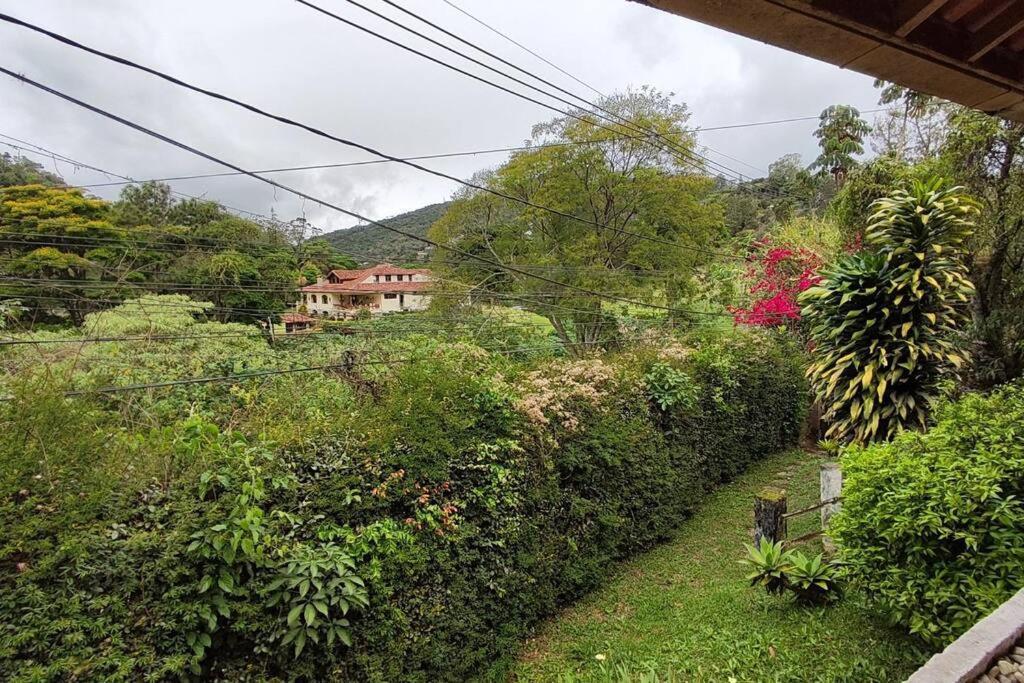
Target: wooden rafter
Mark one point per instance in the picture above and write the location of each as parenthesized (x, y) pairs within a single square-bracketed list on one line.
[(1001, 27), (912, 13)]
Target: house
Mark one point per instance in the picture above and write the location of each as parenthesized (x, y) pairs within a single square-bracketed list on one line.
[(296, 322), (383, 288)]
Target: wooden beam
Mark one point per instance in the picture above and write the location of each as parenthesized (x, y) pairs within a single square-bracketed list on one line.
[(1001, 27), (912, 13)]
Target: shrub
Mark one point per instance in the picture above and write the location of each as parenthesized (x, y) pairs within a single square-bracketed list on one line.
[(769, 562), (812, 580), (932, 524), (883, 322), (431, 514)]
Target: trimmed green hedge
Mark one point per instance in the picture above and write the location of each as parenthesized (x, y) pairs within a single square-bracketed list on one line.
[(932, 524), (473, 497)]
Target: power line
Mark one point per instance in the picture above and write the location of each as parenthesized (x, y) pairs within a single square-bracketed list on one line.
[(523, 47), (371, 162), (570, 114), (297, 124), (597, 109), (431, 324), (201, 244), (111, 389), (74, 162), (752, 124), (528, 73), (544, 299)]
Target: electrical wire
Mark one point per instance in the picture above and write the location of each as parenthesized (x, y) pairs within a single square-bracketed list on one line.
[(523, 47), (112, 389), (693, 156), (596, 109), (299, 193), (329, 136)]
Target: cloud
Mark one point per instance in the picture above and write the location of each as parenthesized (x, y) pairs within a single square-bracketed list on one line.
[(290, 60)]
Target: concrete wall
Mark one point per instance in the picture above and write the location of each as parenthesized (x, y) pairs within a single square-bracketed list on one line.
[(973, 653)]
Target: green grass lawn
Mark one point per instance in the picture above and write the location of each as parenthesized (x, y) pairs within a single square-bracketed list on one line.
[(685, 612)]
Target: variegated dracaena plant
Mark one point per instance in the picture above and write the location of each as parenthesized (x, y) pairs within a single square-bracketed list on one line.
[(884, 321)]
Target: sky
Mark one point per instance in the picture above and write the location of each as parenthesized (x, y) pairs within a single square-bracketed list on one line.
[(289, 59)]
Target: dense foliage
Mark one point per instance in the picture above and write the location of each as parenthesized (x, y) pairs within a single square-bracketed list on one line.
[(840, 135), (373, 244), (927, 137), (932, 524), (883, 321), (627, 209), (778, 276), (426, 512), (67, 254)]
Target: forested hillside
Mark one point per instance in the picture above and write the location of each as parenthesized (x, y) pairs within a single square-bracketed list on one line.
[(373, 244)]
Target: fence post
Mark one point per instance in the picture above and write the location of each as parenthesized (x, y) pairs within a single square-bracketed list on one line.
[(769, 511), (831, 487)]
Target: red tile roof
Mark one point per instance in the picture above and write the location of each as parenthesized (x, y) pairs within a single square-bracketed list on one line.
[(379, 269), (295, 318)]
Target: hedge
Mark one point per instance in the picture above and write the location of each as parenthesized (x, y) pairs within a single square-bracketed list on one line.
[(932, 524), (464, 499)]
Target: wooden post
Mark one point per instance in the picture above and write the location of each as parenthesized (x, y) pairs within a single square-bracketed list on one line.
[(769, 511)]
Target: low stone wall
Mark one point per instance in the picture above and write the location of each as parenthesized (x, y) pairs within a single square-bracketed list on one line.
[(985, 653)]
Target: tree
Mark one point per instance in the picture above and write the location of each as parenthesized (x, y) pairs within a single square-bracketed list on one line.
[(840, 135), (986, 154), (852, 206), (913, 130), (21, 171), (789, 190), (146, 204), (61, 248), (317, 257), (69, 254), (883, 322), (616, 188)]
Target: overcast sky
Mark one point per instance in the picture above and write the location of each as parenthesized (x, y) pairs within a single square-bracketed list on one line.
[(288, 59)]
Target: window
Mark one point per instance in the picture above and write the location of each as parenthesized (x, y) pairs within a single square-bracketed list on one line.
[(387, 278), (390, 296), (303, 298), (323, 298), (399, 278), (376, 278)]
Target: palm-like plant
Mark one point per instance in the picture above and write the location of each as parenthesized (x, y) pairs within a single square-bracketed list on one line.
[(840, 135), (769, 562), (882, 322)]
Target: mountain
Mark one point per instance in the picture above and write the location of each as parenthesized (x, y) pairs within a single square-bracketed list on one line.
[(374, 244)]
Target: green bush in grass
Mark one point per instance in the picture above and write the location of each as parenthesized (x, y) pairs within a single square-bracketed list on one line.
[(932, 524)]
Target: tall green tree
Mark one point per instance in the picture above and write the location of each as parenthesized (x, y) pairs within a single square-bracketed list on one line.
[(618, 187), (986, 154), (840, 135), (62, 251), (884, 322)]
